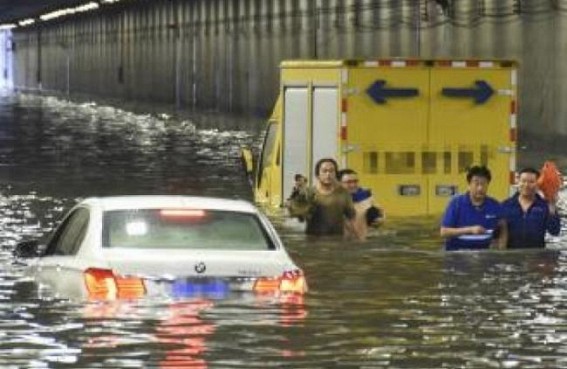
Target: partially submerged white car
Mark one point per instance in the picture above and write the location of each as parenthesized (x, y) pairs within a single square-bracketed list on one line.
[(179, 246)]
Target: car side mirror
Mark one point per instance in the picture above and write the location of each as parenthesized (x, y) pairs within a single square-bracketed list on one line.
[(28, 249), (247, 163)]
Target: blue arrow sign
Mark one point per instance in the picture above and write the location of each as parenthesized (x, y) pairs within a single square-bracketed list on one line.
[(378, 92), (480, 93)]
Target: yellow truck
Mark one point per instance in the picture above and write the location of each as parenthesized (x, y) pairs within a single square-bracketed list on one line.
[(410, 128)]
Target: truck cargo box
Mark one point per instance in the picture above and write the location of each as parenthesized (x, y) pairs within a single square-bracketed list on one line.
[(410, 128)]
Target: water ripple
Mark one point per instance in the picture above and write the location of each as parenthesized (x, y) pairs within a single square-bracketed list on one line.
[(396, 301)]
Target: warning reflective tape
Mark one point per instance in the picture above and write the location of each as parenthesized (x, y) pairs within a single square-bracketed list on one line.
[(372, 63), (343, 126), (513, 115), (344, 105), (514, 77), (399, 63), (513, 134), (344, 76), (391, 63), (343, 133), (513, 176), (513, 162)]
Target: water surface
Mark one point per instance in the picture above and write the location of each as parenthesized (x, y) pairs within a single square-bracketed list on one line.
[(396, 301)]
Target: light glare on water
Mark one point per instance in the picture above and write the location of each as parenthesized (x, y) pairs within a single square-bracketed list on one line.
[(396, 301)]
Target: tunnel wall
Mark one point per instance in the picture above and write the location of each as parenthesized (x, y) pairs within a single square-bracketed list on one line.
[(223, 55), (6, 60)]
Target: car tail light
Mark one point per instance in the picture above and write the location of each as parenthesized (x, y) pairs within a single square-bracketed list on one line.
[(290, 281), (100, 283), (104, 284), (293, 282), (130, 287), (267, 284)]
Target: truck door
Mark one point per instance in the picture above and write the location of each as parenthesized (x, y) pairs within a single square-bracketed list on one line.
[(469, 125), (295, 133), (310, 130), (325, 133)]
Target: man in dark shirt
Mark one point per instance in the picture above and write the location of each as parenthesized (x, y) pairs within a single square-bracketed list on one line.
[(528, 215)]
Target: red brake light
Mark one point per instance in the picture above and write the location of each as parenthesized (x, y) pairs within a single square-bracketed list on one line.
[(290, 281), (102, 284), (293, 282)]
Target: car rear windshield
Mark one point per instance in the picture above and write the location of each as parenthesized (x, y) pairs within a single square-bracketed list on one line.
[(184, 229)]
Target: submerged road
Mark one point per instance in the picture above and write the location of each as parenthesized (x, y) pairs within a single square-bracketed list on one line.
[(396, 301)]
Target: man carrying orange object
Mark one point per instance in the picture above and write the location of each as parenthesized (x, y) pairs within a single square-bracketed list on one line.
[(528, 215)]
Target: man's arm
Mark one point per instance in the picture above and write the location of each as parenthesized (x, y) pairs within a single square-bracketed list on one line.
[(302, 203), (448, 232), (502, 240), (450, 225), (553, 221), (353, 220)]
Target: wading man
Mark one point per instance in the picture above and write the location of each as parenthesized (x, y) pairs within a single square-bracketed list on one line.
[(473, 220)]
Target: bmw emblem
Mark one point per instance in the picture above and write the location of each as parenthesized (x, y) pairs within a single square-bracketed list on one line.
[(200, 267)]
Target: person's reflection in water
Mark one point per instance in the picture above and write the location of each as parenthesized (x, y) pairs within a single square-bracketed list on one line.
[(542, 263)]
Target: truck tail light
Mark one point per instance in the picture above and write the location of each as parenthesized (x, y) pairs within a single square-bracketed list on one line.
[(291, 281), (103, 284)]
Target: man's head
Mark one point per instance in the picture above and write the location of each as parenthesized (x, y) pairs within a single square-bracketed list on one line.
[(326, 171), (349, 180), (478, 178), (527, 182), (300, 180)]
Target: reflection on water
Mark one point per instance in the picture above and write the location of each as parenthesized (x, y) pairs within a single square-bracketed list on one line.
[(396, 301), (191, 333)]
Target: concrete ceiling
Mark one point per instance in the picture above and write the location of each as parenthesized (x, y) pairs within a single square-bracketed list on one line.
[(14, 10)]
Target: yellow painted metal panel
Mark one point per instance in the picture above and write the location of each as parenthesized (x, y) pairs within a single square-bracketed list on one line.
[(475, 133), (384, 139), (401, 119), (268, 186), (305, 76), (452, 118)]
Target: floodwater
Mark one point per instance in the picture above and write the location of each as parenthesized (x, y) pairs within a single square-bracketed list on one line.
[(396, 301)]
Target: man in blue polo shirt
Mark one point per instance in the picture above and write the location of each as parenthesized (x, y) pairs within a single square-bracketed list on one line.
[(473, 220), (528, 215)]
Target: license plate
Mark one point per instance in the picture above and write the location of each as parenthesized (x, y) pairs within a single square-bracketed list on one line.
[(212, 288)]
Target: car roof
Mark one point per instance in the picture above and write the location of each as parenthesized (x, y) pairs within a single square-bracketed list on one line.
[(168, 201)]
